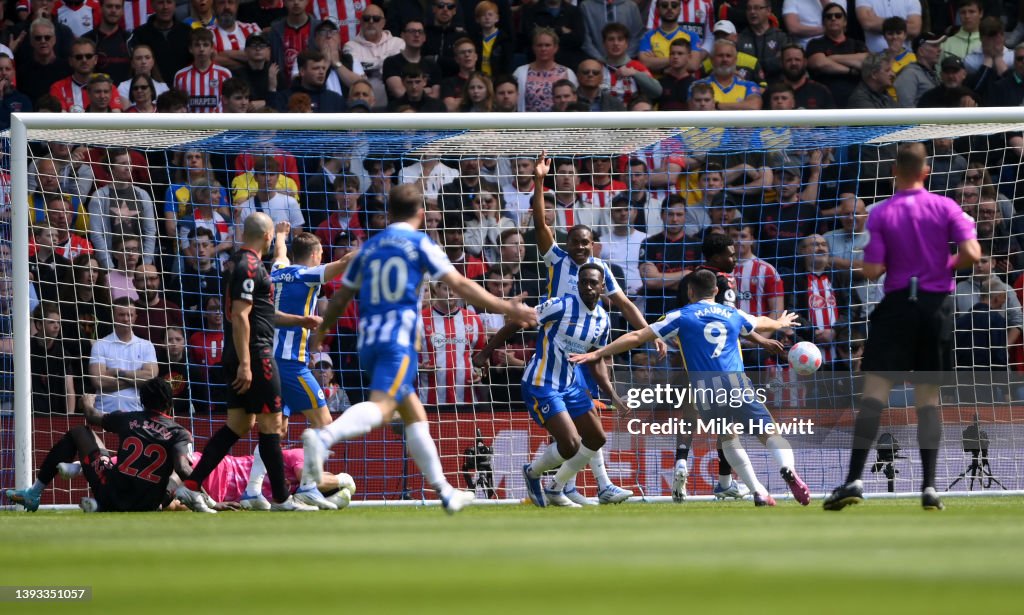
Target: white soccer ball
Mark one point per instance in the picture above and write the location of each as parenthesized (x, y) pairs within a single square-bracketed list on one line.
[(804, 358)]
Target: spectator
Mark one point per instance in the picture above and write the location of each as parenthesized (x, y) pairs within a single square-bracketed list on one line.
[(599, 186), (142, 95), (535, 80), (262, 12), (190, 167), (121, 208), (41, 68), (258, 71), (483, 227), (39, 9), (590, 91), (894, 29), (291, 35), (235, 96), (1009, 90), (44, 184), (759, 288), (312, 80), (205, 198), (323, 371), (780, 97), (794, 215), (647, 205), (206, 351), (361, 97), (126, 254), (242, 186), (453, 240), (995, 238), (142, 64), (625, 78), (981, 343), (111, 41), (730, 92), (920, 75), (506, 94), (597, 15), (60, 217), (966, 39), (835, 59), (621, 244), (88, 297), (876, 80), (164, 32), (816, 294), (982, 281), (519, 258), (802, 20), (430, 174), (200, 14), (229, 34), (119, 361), (846, 245), (321, 192), (372, 46), (947, 167), (174, 368), (478, 95), (501, 283), (342, 71), (809, 93), (414, 35), (200, 277), (952, 76), (663, 259), (459, 195), (268, 199), (466, 61), (872, 15), (75, 174), (655, 47), (763, 40), (414, 81), (569, 204), (495, 45), (53, 367), (993, 60), (101, 94), (676, 77), (11, 100), (452, 334), (49, 270), (343, 211), (748, 67), (442, 32), (155, 313), (560, 16), (202, 80)]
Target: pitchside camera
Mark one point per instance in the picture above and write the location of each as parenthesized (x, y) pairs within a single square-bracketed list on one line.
[(888, 449)]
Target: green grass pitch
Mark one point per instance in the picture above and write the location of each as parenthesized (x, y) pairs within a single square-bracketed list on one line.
[(886, 556)]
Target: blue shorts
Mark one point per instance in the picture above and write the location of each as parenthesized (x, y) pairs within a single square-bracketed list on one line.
[(299, 389), (545, 402), (392, 369), (741, 407)]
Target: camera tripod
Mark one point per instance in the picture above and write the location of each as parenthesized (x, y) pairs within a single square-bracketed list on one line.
[(980, 470)]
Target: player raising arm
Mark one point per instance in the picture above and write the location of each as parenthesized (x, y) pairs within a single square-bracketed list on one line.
[(555, 393), (150, 447), (709, 336), (387, 274)]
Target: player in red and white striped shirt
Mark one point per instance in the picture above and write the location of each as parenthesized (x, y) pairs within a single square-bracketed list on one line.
[(453, 334), (80, 16), (203, 79), (136, 13), (759, 288), (601, 187), (345, 13), (815, 298), (229, 34)]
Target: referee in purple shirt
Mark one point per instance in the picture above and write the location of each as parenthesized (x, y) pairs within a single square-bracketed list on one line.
[(912, 327)]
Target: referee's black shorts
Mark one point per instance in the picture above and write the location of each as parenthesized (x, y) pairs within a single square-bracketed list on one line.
[(264, 394), (906, 335)]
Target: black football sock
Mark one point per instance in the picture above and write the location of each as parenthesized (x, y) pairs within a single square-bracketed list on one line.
[(724, 467), (216, 449), (682, 452), (273, 460), (865, 430), (63, 451), (929, 438)]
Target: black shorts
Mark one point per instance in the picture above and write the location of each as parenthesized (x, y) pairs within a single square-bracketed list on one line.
[(99, 472), (264, 394), (905, 335)]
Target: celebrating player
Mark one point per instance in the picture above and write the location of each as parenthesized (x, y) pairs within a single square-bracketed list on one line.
[(296, 288), (253, 396), (709, 336), (563, 266), (150, 447), (387, 273), (555, 393)]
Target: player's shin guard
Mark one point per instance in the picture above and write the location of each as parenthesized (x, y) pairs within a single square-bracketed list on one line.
[(737, 456), (64, 450), (270, 452), (424, 453), (216, 449), (781, 451), (929, 438), (256, 473), (599, 470), (865, 430), (549, 458), (571, 467), (358, 420)]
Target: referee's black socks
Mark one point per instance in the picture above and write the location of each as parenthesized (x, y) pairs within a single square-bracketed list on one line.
[(865, 429), (929, 437)]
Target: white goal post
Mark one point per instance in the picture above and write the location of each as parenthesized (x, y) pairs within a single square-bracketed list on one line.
[(582, 132)]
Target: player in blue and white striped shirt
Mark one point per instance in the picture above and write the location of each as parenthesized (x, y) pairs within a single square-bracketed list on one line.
[(387, 274), (555, 393), (296, 288), (708, 335)]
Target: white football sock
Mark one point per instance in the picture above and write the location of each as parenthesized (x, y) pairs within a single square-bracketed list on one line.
[(548, 458), (740, 462), (781, 451), (357, 421), (424, 453), (255, 485), (599, 471), (725, 481), (571, 467)]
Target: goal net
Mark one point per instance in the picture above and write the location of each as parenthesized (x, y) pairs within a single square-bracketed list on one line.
[(135, 225)]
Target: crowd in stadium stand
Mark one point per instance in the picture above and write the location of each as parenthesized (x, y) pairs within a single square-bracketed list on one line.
[(127, 246)]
